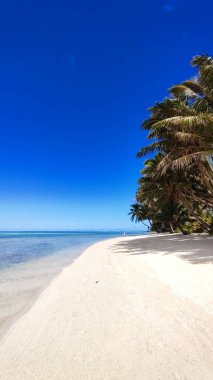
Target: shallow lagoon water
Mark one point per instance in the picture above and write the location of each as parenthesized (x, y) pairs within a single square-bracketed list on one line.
[(30, 260)]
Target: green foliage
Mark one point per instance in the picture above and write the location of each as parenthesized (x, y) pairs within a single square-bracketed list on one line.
[(176, 187), (193, 227)]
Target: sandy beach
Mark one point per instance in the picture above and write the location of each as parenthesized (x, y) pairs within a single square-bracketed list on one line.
[(130, 308)]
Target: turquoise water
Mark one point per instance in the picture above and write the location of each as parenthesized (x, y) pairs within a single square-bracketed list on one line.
[(20, 247), (30, 260)]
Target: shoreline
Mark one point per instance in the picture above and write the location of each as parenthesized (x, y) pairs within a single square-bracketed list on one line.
[(22, 284), (8, 323), (126, 308)]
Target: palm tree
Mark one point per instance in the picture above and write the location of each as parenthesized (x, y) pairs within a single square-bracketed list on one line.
[(177, 184), (139, 213), (158, 197), (182, 125)]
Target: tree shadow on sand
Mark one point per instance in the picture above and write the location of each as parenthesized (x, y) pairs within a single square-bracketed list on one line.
[(195, 249)]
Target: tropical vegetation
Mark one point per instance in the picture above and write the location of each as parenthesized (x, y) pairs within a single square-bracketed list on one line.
[(175, 190)]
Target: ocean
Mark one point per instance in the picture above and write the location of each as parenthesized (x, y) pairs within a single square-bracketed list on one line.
[(30, 260)]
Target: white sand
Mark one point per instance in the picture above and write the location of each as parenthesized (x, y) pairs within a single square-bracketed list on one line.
[(131, 308)]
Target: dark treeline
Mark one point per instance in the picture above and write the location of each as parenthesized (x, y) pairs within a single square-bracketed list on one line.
[(175, 190)]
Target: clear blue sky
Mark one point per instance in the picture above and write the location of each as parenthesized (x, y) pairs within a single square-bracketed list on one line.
[(76, 80)]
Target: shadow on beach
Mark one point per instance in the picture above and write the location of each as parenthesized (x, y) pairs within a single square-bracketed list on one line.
[(197, 249)]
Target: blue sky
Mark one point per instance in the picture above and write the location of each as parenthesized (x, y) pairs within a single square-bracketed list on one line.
[(76, 81)]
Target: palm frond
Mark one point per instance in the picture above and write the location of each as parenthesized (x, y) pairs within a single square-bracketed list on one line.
[(194, 86), (198, 122), (150, 148), (184, 161), (182, 91)]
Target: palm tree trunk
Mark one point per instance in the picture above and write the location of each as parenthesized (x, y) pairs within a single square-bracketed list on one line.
[(171, 229), (144, 224)]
